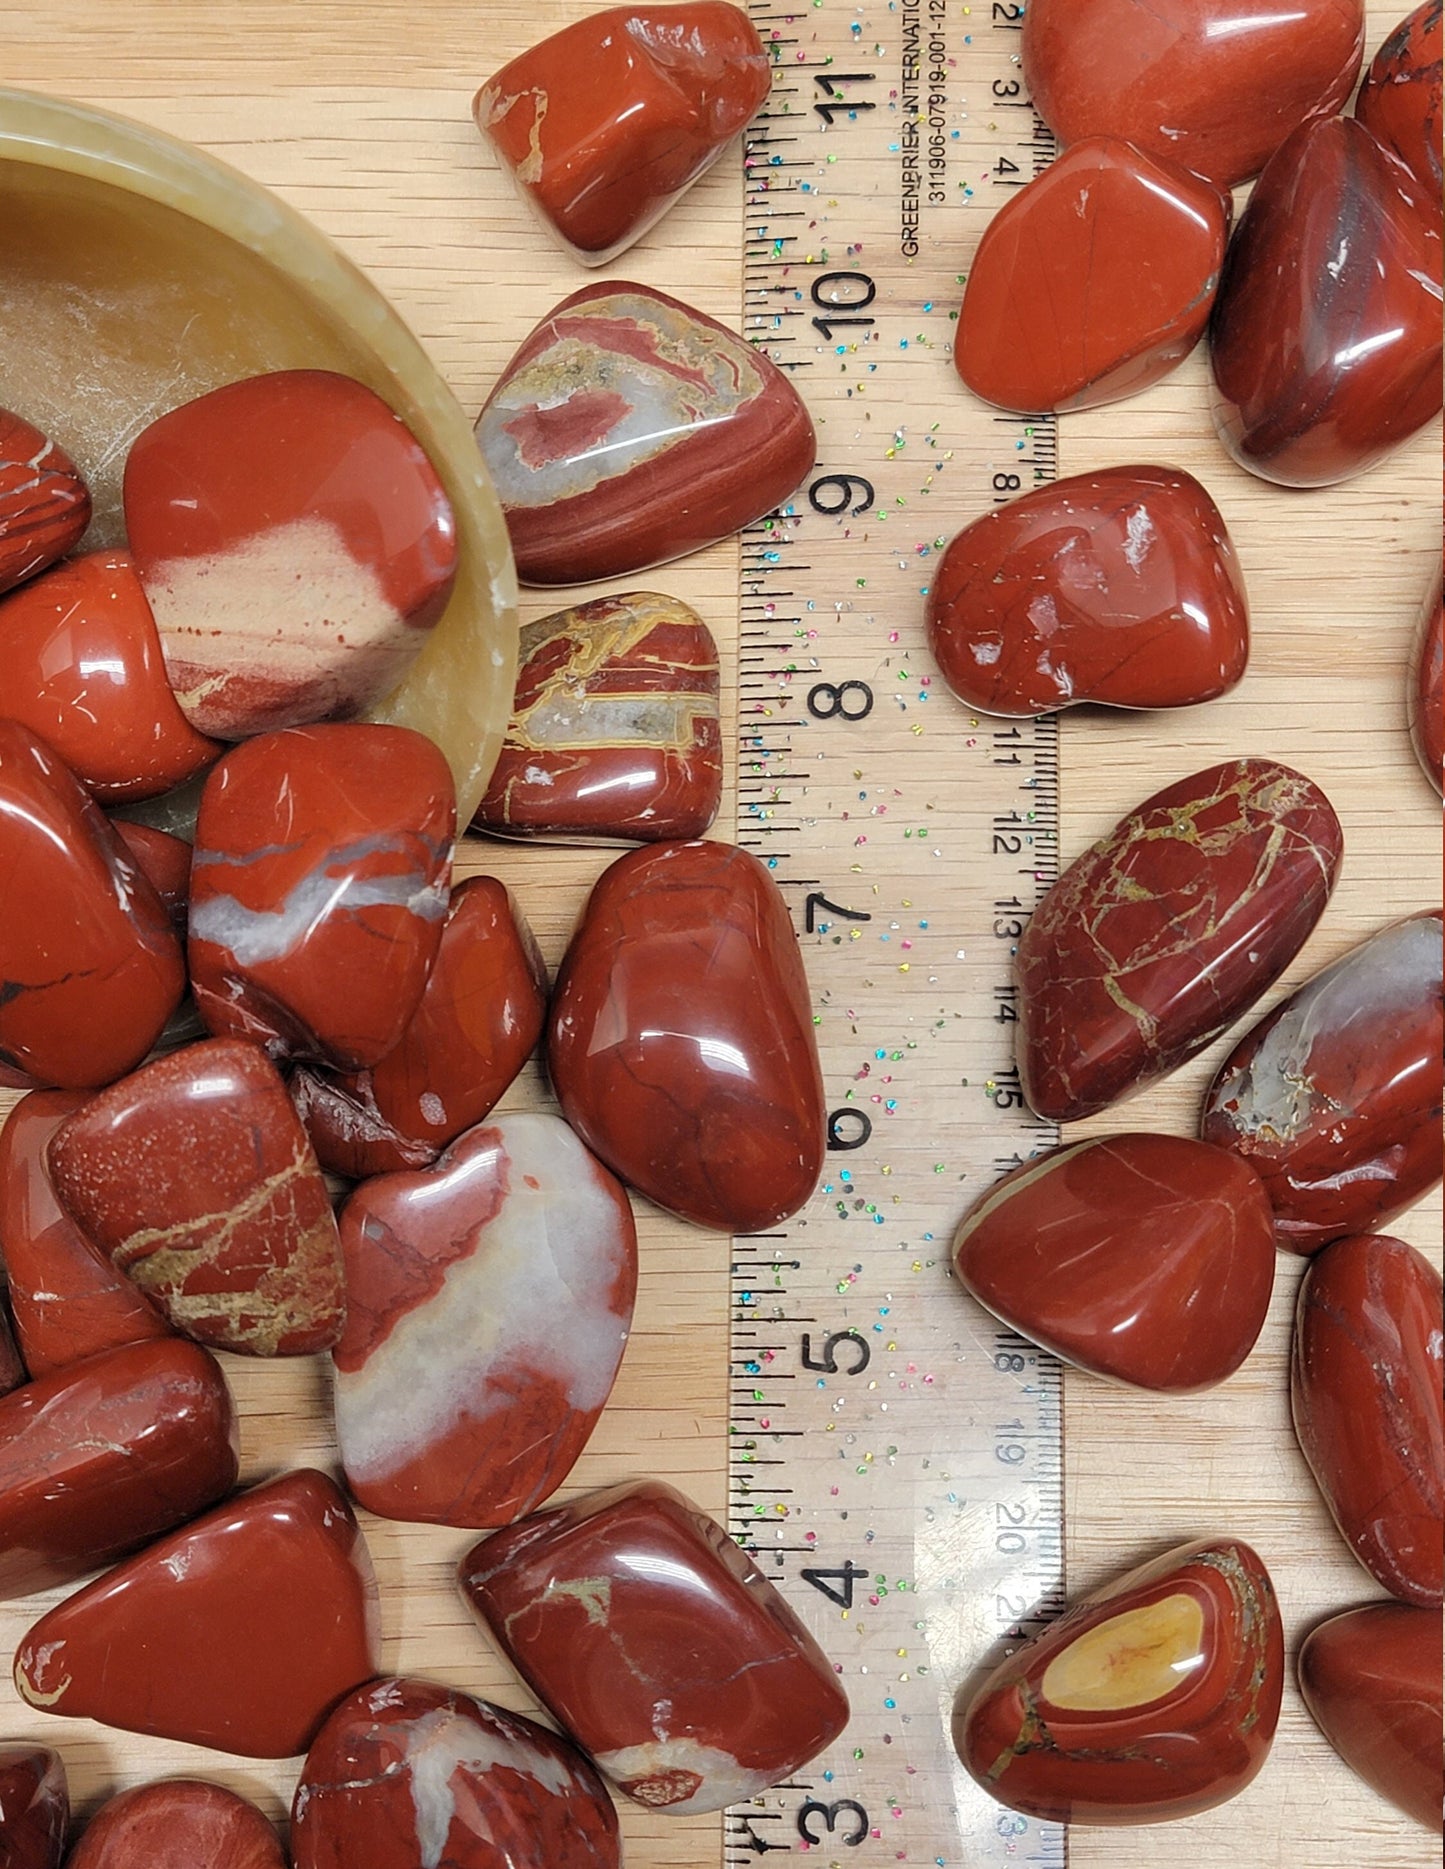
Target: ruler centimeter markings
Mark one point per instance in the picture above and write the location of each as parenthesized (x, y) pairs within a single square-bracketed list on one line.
[(896, 1458)]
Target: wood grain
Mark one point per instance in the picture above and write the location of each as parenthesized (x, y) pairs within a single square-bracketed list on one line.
[(357, 111)]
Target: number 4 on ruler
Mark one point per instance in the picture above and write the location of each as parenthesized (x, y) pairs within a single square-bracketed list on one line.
[(837, 1585)]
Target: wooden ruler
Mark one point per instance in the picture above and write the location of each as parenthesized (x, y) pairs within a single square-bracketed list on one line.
[(896, 1457)]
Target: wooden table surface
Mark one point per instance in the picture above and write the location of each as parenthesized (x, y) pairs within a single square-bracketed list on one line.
[(357, 111)]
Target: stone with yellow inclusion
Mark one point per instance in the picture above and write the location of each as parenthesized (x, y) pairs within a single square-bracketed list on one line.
[(615, 734), (194, 1176), (1132, 1659), (1155, 1698), (1154, 941)]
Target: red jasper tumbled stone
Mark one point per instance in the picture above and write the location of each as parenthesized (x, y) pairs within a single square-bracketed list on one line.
[(614, 732), (1092, 282), (680, 1039), (1365, 1384), (68, 1300), (1214, 85), (100, 1457), (1334, 1098), (1400, 103), (630, 429), (406, 1772), (1155, 940), (1146, 1259), (480, 1016), (81, 666), (296, 545), (1153, 1698), (91, 970), (181, 1823), (319, 885), (1426, 701), (44, 503), (34, 1807), (195, 1177), (488, 1304), (655, 1641), (604, 124), (1120, 587), (1371, 1679), (165, 862), (1326, 338), (241, 1631)]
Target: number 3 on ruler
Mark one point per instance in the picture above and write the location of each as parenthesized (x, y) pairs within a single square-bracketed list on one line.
[(830, 1813)]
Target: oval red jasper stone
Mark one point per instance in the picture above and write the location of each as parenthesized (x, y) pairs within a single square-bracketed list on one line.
[(681, 1042), (182, 1823), (479, 1019), (488, 1305), (604, 124), (100, 1457), (296, 545), (1153, 1698), (81, 666), (1365, 1383), (1326, 337), (1371, 1680), (34, 1806), (615, 731), (241, 1631), (195, 1177), (1334, 1098), (1154, 941), (319, 885), (1427, 689), (657, 1643), (91, 971), (68, 1300), (1145, 1259), (1120, 587), (630, 429), (406, 1772), (44, 503), (1214, 85), (1092, 282), (1399, 102)]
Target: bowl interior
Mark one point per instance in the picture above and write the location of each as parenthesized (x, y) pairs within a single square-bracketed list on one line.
[(137, 273)]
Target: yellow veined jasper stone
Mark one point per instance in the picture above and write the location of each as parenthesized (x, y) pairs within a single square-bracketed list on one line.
[(1131, 1659), (1153, 1698)]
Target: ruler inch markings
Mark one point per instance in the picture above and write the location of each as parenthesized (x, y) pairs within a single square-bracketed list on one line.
[(895, 1456)]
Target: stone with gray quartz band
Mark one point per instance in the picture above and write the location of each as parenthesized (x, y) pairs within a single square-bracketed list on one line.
[(409, 1775), (1334, 1097), (319, 888)]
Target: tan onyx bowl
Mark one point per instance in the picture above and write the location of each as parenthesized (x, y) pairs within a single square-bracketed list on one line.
[(137, 272)]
